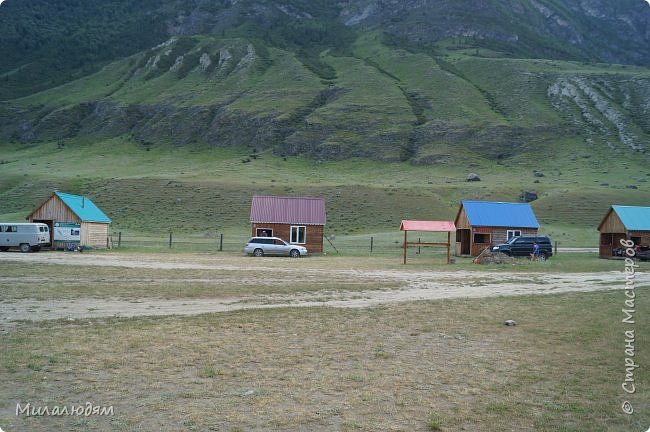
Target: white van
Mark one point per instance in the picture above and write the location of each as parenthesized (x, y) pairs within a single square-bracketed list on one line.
[(25, 236)]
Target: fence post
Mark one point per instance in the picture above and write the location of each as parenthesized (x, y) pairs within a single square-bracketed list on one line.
[(170, 239), (555, 247), (371, 243), (119, 239), (419, 247), (221, 242)]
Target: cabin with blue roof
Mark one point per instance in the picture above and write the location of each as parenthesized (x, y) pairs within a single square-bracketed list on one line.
[(482, 224), (74, 220), (623, 223)]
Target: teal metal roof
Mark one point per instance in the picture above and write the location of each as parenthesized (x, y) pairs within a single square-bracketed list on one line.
[(500, 214), (83, 207), (634, 218)]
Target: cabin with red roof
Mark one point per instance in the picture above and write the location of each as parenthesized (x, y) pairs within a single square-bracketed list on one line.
[(297, 220)]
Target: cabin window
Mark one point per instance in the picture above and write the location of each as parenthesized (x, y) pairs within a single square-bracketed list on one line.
[(481, 238), (11, 228), (513, 233), (298, 234)]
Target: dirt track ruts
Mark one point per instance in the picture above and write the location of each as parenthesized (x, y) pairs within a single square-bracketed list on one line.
[(415, 285)]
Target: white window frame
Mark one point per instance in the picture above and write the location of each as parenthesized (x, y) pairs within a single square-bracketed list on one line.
[(297, 229), (513, 233)]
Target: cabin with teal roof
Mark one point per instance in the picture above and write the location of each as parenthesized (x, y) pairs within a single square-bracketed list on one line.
[(623, 223), (74, 220)]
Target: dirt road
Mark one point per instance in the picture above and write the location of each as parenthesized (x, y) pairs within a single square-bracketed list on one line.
[(413, 285)]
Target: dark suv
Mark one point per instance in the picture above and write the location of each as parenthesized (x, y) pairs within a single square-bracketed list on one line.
[(643, 253), (640, 252), (523, 246)]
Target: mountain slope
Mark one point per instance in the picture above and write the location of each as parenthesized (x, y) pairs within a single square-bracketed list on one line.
[(44, 43), (587, 30), (428, 82), (384, 102)]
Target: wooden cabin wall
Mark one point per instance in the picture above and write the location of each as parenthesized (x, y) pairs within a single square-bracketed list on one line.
[(500, 235), (54, 209), (612, 224), (94, 234), (313, 235)]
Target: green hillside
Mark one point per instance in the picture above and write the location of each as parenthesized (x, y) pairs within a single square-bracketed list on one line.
[(200, 193), (44, 43), (384, 103)]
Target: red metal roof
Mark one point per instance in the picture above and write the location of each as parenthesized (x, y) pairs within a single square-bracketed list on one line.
[(417, 225), (291, 210)]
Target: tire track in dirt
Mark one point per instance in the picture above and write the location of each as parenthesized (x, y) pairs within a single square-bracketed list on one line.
[(417, 286)]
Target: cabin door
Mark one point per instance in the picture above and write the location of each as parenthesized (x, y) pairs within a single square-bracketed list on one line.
[(464, 236)]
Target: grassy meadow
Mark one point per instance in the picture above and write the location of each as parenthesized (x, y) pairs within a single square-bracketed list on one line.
[(202, 193), (421, 366)]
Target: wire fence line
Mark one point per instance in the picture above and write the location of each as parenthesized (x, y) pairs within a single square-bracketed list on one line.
[(381, 245)]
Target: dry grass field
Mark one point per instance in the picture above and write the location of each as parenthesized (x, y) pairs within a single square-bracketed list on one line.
[(410, 361)]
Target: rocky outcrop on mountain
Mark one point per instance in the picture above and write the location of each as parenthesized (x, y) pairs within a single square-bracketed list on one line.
[(602, 108)]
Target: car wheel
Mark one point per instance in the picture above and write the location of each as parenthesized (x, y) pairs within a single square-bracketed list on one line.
[(294, 253), (542, 257), (24, 247), (258, 252)]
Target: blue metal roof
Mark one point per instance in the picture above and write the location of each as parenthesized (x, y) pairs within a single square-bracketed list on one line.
[(634, 218), (83, 207), (500, 214)]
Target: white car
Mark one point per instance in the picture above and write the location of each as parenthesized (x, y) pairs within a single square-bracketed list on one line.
[(260, 246)]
